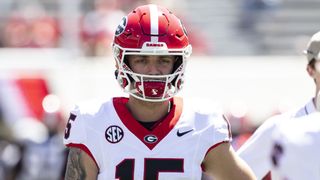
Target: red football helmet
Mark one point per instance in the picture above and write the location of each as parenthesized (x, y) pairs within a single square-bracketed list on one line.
[(151, 30)]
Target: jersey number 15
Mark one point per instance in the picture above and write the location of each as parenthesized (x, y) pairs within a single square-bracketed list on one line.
[(153, 166)]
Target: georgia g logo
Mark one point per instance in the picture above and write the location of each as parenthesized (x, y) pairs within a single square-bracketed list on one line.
[(114, 134), (122, 26), (150, 139)]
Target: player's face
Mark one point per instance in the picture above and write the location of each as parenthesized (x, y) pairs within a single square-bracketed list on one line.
[(314, 72), (151, 65)]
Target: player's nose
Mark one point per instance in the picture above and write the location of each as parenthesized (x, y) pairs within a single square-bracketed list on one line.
[(153, 66)]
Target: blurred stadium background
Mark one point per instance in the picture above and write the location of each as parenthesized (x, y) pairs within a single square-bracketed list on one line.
[(247, 60)]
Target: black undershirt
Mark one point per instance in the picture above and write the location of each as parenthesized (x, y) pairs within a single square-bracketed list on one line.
[(148, 125), (151, 125)]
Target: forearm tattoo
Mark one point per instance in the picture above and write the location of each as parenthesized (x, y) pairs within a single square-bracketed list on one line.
[(75, 168)]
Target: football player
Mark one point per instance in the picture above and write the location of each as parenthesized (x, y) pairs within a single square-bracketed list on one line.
[(151, 134), (296, 147), (256, 150)]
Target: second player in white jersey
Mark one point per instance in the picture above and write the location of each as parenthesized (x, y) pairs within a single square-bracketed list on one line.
[(256, 150), (296, 146)]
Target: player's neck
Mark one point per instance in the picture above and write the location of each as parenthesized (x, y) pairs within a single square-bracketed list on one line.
[(148, 111)]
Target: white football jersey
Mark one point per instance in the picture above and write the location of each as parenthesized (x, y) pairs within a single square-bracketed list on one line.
[(296, 147), (123, 149), (256, 150)]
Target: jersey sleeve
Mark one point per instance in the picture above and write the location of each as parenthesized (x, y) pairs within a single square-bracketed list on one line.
[(74, 131), (257, 149), (222, 129), (216, 131), (209, 119)]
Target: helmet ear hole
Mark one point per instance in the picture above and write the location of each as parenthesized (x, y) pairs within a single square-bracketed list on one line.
[(124, 82)]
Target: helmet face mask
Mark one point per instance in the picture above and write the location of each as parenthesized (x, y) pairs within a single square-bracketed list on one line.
[(147, 31)]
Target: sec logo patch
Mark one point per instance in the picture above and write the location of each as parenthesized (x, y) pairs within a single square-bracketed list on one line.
[(114, 134)]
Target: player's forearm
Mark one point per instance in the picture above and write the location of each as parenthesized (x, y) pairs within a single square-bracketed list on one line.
[(78, 166)]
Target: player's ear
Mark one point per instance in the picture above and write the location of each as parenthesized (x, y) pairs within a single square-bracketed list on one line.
[(311, 71)]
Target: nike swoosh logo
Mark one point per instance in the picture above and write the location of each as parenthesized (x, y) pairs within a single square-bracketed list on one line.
[(179, 134)]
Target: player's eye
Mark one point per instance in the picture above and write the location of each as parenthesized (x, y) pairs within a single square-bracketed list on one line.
[(166, 59), (140, 60)]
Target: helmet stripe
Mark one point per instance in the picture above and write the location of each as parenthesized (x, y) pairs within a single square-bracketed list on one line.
[(154, 22)]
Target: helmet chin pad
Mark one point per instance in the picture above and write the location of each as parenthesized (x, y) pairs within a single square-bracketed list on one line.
[(151, 89)]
